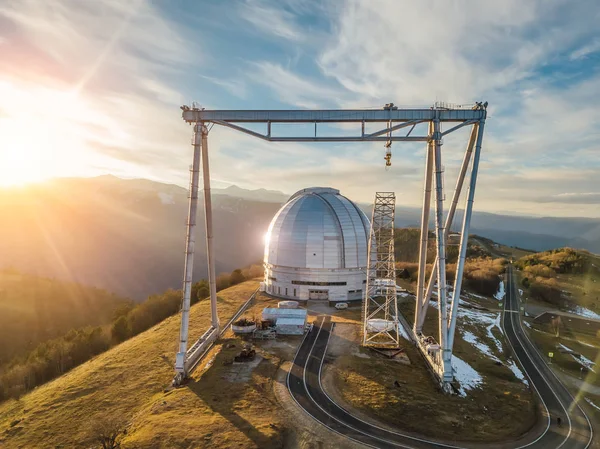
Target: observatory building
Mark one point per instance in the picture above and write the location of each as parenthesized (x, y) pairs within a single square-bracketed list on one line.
[(316, 248)]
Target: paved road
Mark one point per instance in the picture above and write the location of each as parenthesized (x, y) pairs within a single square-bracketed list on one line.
[(304, 384), (575, 431)]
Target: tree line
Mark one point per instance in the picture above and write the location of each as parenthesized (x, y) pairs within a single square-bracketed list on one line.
[(540, 271), (56, 356), (35, 309), (481, 275)]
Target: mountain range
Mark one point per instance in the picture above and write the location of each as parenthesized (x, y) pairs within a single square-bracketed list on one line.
[(128, 236)]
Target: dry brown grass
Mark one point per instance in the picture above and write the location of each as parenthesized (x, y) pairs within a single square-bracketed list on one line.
[(503, 409), (129, 381)]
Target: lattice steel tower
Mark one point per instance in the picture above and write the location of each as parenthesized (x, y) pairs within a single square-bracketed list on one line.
[(380, 309)]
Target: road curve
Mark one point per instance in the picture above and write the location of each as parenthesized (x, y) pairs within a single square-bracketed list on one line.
[(576, 430), (304, 385)]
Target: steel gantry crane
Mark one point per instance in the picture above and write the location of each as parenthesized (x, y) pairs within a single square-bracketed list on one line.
[(393, 121)]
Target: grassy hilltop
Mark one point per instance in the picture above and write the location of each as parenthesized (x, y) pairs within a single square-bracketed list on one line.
[(126, 383)]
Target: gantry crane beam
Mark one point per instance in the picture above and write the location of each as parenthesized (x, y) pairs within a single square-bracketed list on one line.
[(193, 115)]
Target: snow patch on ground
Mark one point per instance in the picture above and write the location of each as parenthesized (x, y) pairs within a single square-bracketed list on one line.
[(517, 372), (478, 296), (497, 323), (471, 338), (482, 318), (589, 401), (587, 313), (403, 332), (582, 360), (479, 318), (466, 376), (165, 198), (500, 293)]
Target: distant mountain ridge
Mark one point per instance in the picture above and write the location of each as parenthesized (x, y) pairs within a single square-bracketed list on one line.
[(123, 235), (535, 233), (128, 235), (272, 196)]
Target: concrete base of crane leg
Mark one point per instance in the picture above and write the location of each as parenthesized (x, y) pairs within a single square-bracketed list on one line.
[(179, 380), (448, 388)]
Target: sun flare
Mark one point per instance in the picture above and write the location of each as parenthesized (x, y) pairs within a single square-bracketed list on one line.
[(37, 133)]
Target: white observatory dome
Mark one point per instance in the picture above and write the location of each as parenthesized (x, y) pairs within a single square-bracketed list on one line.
[(316, 247)]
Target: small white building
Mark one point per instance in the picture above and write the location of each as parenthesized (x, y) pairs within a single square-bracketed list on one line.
[(287, 321), (271, 313), (290, 326)]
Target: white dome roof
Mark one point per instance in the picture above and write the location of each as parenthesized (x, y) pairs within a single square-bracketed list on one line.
[(318, 228)]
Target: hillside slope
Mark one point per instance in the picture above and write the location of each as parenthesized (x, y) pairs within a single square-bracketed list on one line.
[(127, 236), (35, 309), (564, 278), (126, 382)]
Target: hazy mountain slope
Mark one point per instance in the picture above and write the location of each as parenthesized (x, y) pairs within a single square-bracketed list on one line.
[(34, 309), (126, 236), (536, 233)]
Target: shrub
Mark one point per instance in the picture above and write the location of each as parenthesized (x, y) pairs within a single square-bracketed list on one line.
[(120, 329), (545, 291), (236, 277), (539, 270), (483, 275), (200, 291), (563, 260)]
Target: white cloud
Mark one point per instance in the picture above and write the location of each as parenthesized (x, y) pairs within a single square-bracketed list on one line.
[(235, 87), (272, 20), (573, 198), (115, 59), (132, 66), (295, 89), (586, 50)]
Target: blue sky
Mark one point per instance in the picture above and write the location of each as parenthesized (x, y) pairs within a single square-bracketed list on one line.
[(95, 87)]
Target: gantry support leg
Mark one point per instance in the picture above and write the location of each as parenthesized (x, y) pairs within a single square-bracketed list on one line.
[(418, 324), (441, 251), (189, 255), (447, 314), (212, 278), (422, 312), (186, 358), (464, 238)]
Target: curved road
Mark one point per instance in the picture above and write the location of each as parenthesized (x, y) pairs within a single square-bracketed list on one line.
[(304, 384), (576, 431)]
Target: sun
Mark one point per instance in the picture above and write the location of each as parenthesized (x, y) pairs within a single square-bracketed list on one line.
[(20, 150), (38, 136)]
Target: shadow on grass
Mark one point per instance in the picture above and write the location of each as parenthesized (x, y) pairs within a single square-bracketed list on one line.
[(221, 397)]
